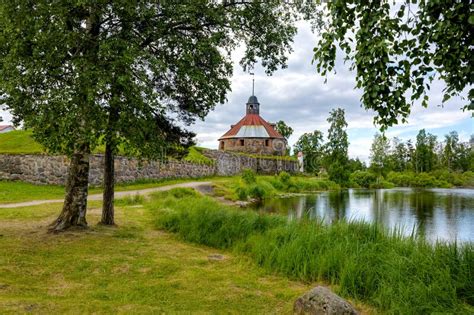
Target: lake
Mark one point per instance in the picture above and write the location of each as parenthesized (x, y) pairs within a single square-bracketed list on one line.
[(438, 214)]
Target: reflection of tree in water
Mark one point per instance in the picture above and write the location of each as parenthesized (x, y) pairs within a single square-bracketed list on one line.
[(422, 202), (338, 202)]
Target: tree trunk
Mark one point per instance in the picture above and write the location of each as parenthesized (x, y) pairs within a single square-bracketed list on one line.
[(109, 182), (75, 202)]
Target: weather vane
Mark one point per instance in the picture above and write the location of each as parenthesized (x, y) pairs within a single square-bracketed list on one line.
[(253, 83)]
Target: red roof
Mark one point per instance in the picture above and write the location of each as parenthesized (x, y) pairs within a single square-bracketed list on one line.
[(253, 120), (2, 127)]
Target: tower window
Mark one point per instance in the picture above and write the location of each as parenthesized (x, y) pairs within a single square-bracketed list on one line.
[(241, 142), (267, 143), (222, 145)]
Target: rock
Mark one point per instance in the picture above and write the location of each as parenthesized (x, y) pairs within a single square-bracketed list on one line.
[(322, 301)]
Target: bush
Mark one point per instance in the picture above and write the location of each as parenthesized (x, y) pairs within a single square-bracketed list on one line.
[(364, 179), (241, 193), (284, 177), (248, 176)]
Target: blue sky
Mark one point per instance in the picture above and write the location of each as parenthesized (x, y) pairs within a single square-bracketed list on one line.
[(299, 96)]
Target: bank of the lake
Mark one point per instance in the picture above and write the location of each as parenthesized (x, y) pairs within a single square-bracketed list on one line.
[(394, 273)]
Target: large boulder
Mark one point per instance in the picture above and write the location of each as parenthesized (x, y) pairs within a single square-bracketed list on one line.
[(322, 301)]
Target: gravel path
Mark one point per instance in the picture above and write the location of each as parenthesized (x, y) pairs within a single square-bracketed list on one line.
[(199, 186)]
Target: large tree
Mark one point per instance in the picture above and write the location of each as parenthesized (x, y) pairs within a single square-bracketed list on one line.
[(425, 155), (82, 72), (397, 49)]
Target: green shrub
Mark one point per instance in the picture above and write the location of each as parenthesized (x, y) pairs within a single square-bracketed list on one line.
[(284, 177), (364, 179), (241, 193), (256, 191), (248, 176)]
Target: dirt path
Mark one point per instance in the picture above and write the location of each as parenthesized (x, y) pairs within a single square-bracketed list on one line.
[(199, 186)]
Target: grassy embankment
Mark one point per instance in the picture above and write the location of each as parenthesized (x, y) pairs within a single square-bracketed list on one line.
[(435, 179), (395, 274), (260, 187), (129, 269)]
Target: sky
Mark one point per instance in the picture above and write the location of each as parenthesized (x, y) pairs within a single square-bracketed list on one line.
[(299, 96)]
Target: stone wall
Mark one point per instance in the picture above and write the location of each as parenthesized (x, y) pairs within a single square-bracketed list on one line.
[(46, 169), (228, 163), (264, 146)]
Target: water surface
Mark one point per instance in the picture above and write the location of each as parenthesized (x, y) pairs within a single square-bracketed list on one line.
[(443, 214)]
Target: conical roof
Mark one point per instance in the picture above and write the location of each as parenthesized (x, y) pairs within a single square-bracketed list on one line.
[(252, 126)]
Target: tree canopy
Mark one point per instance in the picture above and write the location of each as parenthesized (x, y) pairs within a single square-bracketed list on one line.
[(398, 49), (130, 72)]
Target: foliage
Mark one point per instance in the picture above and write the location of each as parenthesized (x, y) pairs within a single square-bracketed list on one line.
[(394, 273), (438, 179), (311, 144), (283, 129), (336, 159), (427, 155), (127, 73), (249, 176), (364, 179), (268, 186), (100, 64), (397, 50), (379, 154)]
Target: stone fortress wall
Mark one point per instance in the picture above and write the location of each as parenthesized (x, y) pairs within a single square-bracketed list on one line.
[(48, 169)]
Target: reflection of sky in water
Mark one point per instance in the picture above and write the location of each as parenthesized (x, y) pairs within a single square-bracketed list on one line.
[(444, 214)]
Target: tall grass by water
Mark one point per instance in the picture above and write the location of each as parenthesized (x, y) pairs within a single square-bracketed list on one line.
[(396, 274)]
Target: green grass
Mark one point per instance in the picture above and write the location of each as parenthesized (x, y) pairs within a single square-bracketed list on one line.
[(13, 191), (195, 156), (128, 269), (19, 142), (395, 274)]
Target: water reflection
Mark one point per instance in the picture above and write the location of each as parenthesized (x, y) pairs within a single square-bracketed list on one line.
[(444, 214)]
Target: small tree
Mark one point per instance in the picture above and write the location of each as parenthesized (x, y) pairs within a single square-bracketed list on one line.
[(311, 144), (337, 147), (379, 154), (285, 130)]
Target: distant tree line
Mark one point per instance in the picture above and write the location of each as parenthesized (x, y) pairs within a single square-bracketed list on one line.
[(425, 155), (425, 162)]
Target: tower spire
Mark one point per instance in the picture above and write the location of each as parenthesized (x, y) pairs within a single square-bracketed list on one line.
[(253, 83)]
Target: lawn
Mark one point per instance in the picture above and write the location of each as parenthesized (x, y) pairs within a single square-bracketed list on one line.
[(13, 192), (129, 269)]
